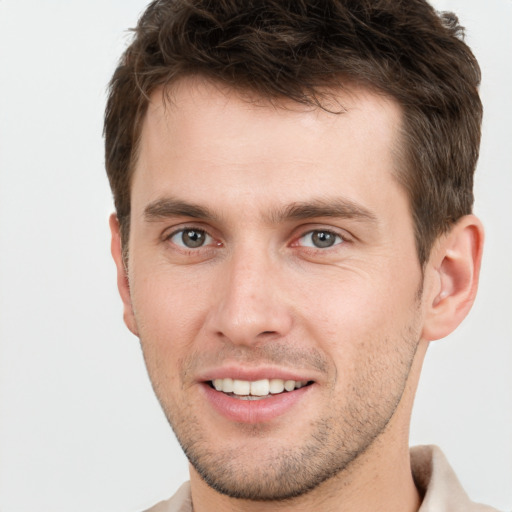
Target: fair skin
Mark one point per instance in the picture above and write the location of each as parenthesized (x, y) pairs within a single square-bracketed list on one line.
[(270, 245)]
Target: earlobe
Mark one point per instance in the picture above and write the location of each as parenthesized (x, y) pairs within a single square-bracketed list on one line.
[(454, 268), (123, 284)]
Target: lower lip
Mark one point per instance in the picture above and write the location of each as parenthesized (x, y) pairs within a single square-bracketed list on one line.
[(254, 411)]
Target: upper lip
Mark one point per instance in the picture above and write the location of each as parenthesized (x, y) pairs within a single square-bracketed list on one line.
[(253, 374)]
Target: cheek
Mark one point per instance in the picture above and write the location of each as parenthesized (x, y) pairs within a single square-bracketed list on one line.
[(371, 347), (340, 305), (361, 317), (166, 305), (169, 316)]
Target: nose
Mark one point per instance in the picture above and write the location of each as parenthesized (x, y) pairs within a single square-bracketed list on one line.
[(249, 305)]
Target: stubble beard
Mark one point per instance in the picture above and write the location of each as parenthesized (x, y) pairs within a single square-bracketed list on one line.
[(279, 474), (335, 443)]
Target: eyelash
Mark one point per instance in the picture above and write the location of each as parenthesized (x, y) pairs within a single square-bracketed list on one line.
[(183, 231), (208, 239), (338, 239)]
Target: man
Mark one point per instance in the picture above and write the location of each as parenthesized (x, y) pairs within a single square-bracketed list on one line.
[(293, 191)]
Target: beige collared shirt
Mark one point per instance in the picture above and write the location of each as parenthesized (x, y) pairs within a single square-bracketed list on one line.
[(432, 474)]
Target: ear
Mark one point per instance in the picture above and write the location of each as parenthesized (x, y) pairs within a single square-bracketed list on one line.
[(123, 284), (453, 271)]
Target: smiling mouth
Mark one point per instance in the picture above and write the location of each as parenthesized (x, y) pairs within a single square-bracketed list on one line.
[(258, 389)]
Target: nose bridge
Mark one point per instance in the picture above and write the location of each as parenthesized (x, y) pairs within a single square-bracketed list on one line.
[(250, 304)]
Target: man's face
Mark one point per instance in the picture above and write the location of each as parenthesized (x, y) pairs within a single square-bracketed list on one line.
[(272, 247)]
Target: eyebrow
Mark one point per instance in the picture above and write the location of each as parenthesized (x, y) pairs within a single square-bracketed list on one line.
[(335, 207), (169, 207), (329, 207)]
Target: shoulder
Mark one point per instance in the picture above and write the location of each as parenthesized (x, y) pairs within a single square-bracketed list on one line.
[(438, 483), (180, 502)]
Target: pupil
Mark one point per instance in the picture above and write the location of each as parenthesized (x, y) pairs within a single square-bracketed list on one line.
[(323, 239), (193, 238)]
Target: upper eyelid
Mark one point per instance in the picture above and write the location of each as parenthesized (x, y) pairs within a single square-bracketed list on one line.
[(330, 231), (187, 228), (334, 231), (173, 230), (342, 233)]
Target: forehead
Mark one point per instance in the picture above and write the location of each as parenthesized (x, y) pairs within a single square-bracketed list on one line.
[(200, 136), (193, 103)]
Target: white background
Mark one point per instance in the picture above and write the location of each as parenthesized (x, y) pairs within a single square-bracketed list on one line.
[(80, 429)]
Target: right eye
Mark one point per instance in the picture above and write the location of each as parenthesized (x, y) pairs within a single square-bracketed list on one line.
[(191, 238)]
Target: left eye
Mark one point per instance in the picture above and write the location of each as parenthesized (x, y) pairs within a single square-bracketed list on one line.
[(320, 239), (191, 238)]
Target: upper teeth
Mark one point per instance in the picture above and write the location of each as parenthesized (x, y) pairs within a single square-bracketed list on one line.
[(258, 387)]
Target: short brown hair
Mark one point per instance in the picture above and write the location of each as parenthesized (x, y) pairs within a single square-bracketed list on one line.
[(294, 49)]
